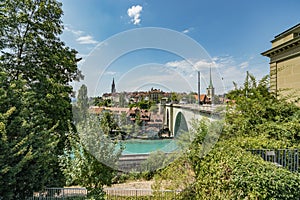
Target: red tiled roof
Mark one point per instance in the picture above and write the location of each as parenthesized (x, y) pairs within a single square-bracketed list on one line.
[(95, 109), (202, 97)]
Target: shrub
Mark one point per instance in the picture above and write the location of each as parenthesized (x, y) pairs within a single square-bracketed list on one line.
[(230, 172)]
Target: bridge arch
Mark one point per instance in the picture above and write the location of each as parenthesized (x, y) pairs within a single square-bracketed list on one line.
[(180, 125), (178, 117)]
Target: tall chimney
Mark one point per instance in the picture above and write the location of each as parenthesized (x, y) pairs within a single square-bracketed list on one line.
[(199, 88)]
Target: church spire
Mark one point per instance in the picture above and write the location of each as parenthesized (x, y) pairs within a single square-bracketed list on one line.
[(210, 79), (210, 89), (113, 86)]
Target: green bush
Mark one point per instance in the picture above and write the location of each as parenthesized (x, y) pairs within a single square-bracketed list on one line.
[(96, 194), (230, 172), (176, 176), (132, 176), (255, 119)]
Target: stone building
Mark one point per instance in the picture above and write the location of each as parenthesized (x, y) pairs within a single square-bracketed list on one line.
[(285, 61), (155, 95)]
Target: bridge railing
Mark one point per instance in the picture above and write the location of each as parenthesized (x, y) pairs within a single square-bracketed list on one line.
[(205, 107)]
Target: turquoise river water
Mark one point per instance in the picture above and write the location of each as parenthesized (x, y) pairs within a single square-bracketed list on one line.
[(138, 146)]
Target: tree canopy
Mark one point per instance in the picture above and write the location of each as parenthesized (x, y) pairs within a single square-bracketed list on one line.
[(36, 69), (254, 111)]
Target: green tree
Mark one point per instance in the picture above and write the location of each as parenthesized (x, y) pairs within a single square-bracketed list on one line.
[(28, 145), (39, 68), (144, 104), (93, 158), (122, 101), (155, 161), (124, 125), (103, 102), (175, 97), (195, 135), (257, 112), (14, 156), (80, 110), (83, 100), (96, 101), (108, 123), (191, 97), (123, 119)]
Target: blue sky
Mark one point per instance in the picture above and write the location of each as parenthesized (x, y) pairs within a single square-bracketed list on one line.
[(226, 36)]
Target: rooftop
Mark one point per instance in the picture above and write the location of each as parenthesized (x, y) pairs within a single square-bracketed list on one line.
[(288, 31)]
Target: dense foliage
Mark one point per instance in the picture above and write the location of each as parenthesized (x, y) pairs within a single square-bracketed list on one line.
[(255, 112), (231, 172), (91, 159), (36, 69), (255, 119), (143, 104)]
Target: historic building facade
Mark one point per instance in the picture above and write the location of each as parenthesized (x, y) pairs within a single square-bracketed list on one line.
[(285, 61)]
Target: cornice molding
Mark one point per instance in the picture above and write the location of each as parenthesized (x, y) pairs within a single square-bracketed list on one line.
[(284, 51)]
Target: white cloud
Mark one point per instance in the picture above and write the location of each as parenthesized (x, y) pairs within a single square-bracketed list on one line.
[(147, 76), (204, 64), (191, 65), (73, 31), (86, 40), (225, 70), (80, 36), (110, 73), (135, 13), (224, 60), (244, 64), (186, 31)]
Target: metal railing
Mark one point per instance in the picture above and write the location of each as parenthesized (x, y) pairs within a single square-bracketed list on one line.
[(135, 194), (60, 194), (287, 158), (110, 194)]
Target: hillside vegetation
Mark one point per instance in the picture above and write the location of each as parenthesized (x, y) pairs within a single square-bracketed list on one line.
[(255, 119)]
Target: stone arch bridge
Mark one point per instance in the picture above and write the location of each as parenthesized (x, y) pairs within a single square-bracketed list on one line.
[(178, 117)]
